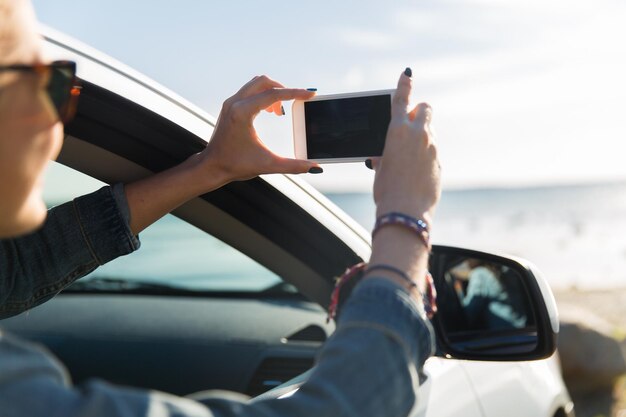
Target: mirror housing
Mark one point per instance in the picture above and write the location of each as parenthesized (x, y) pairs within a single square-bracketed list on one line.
[(491, 307)]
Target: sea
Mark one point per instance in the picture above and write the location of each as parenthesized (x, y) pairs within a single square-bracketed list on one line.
[(575, 234)]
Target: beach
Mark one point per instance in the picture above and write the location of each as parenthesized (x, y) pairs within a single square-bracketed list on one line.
[(608, 305), (599, 345)]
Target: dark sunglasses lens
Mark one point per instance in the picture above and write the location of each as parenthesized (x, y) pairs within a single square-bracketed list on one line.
[(60, 89)]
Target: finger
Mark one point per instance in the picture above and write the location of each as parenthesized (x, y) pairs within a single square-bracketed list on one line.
[(246, 86), (372, 163), (422, 114), (258, 102), (400, 102), (256, 85), (433, 133), (295, 166), (278, 108)]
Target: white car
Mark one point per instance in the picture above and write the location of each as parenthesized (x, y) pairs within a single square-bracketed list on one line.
[(231, 289)]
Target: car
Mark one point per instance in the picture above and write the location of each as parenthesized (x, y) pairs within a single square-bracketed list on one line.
[(231, 290)]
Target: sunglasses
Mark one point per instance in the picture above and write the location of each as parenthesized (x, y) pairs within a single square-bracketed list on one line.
[(62, 85)]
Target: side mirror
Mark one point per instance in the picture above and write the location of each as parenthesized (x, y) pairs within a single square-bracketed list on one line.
[(491, 308)]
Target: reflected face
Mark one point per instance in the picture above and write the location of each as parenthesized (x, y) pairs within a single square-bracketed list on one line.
[(30, 133)]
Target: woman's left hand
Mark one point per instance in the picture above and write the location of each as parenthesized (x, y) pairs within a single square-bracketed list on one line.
[(235, 151)]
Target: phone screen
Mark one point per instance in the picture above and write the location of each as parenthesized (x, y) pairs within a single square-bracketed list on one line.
[(347, 127)]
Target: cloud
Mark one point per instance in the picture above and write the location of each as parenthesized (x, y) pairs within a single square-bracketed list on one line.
[(524, 93), (367, 39), (354, 79)]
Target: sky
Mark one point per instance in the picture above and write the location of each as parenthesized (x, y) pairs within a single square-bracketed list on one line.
[(524, 92)]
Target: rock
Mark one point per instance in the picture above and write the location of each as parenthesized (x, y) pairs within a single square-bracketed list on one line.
[(591, 358)]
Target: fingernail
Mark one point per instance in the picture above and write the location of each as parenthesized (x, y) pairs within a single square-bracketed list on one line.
[(282, 109), (311, 89), (368, 163), (408, 72), (315, 170)]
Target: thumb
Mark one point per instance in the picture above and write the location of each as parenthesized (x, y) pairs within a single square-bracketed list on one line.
[(296, 166), (372, 163)]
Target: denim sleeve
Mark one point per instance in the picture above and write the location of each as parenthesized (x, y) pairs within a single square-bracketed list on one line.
[(76, 238), (368, 368)]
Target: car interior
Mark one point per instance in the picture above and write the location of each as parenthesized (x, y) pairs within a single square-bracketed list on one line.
[(183, 340)]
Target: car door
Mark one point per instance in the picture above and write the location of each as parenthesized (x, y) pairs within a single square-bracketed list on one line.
[(445, 391), (516, 389)]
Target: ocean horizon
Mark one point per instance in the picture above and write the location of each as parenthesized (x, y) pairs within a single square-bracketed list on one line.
[(570, 232)]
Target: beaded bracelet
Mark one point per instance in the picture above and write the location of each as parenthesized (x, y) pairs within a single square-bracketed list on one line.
[(419, 226), (353, 275)]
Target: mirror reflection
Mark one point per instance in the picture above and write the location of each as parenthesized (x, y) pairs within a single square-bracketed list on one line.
[(491, 296), (484, 305)]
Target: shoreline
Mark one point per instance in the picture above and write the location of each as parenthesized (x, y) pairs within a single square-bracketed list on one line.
[(608, 305)]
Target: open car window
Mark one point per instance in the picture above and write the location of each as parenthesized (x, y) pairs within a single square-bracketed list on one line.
[(174, 254)]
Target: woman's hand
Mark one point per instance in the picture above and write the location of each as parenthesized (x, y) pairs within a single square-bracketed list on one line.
[(407, 181), (235, 151), (408, 173)]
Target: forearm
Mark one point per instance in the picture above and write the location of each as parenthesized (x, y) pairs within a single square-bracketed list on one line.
[(151, 198), (400, 247)]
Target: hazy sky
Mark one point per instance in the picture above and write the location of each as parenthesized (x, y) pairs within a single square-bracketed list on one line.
[(524, 91)]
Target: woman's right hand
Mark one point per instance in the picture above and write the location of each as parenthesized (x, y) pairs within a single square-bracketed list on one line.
[(408, 173), (407, 181)]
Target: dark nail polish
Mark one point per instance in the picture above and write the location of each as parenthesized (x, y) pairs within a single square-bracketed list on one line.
[(316, 170), (311, 89), (368, 163), (282, 109), (408, 72)]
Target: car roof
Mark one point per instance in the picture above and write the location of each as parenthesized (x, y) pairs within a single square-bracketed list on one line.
[(128, 126)]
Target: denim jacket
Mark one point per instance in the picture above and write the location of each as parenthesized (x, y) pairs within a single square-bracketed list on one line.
[(369, 367)]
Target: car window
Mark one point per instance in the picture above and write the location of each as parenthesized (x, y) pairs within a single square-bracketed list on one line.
[(173, 252)]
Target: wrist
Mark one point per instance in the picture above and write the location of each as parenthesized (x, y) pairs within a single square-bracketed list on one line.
[(204, 173), (400, 247), (415, 209)]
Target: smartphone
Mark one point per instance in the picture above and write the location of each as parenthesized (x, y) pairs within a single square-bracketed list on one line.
[(341, 127)]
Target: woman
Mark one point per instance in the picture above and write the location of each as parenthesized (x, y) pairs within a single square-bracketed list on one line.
[(369, 366)]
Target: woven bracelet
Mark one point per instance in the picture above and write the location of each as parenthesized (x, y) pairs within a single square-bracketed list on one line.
[(353, 275), (418, 226), (430, 296), (345, 283)]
